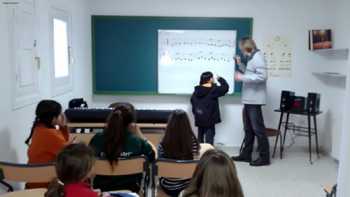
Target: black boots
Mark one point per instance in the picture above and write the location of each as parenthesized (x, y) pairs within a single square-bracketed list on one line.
[(241, 158), (256, 163), (260, 162)]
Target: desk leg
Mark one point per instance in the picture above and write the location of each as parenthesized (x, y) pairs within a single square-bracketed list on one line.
[(285, 133), (278, 136), (309, 135), (316, 136)]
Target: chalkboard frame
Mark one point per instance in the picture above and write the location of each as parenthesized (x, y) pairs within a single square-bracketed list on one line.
[(250, 20)]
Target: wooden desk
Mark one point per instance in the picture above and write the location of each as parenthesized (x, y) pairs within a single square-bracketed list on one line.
[(153, 132), (308, 130), (102, 125)]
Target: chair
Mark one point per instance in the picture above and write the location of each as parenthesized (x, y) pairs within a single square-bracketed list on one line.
[(37, 173), (331, 191), (26, 193), (82, 137), (204, 148), (155, 137), (125, 166), (168, 168)]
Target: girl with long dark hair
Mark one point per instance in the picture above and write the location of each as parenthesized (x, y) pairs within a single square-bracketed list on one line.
[(179, 143), (121, 138), (48, 136)]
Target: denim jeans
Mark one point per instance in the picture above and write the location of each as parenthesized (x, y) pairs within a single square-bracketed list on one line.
[(254, 126), (207, 133)]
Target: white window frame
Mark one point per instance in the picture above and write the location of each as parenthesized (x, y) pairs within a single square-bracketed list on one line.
[(22, 94), (61, 85)]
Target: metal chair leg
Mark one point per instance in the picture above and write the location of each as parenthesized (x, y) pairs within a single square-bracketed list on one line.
[(275, 147), (316, 137), (285, 133), (8, 186), (278, 136), (309, 135)]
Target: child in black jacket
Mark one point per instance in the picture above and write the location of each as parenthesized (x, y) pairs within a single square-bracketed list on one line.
[(205, 106)]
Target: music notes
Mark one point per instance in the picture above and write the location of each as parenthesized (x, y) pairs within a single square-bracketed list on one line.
[(210, 42), (198, 56), (196, 46), (184, 54)]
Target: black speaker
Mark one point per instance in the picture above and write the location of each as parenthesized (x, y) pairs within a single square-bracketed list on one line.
[(313, 102), (287, 98)]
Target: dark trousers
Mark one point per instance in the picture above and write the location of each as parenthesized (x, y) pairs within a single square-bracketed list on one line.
[(254, 126), (207, 133)]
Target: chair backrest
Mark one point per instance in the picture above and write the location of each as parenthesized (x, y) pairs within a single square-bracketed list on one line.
[(26, 193), (175, 168), (124, 166), (331, 191), (28, 173), (155, 137), (82, 137)]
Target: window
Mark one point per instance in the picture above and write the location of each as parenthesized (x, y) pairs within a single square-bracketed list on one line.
[(23, 53), (61, 56), (61, 52)]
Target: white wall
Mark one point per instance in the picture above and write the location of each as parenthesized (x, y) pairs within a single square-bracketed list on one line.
[(292, 19), (343, 40), (15, 124)]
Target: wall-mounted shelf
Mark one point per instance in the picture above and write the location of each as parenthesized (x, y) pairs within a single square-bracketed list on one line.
[(335, 53), (330, 74)]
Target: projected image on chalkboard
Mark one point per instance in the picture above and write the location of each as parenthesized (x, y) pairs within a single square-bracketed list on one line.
[(184, 54)]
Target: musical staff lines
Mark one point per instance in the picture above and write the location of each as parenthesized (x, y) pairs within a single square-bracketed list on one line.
[(199, 56), (205, 43)]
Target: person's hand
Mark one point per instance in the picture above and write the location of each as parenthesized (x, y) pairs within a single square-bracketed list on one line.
[(62, 121), (73, 140), (218, 77), (105, 194), (238, 60), (102, 194), (238, 76)]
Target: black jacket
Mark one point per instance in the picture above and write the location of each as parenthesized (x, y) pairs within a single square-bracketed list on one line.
[(205, 103)]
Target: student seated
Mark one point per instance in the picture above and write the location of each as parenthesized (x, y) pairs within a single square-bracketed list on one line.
[(121, 138), (215, 176), (73, 168), (49, 135), (179, 143), (205, 106)]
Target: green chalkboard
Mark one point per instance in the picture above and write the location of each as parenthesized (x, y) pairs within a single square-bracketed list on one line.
[(125, 49)]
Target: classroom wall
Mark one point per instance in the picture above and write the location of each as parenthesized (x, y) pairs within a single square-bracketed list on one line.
[(292, 19), (341, 36), (15, 125), (343, 40)]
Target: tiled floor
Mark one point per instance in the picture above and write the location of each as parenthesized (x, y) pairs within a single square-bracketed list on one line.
[(293, 176)]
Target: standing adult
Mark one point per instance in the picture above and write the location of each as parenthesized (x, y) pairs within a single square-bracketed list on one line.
[(254, 78)]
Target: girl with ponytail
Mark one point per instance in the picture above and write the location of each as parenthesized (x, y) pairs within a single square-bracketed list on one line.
[(121, 138), (48, 136)]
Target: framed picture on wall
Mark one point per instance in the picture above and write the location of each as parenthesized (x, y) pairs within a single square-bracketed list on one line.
[(320, 39)]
